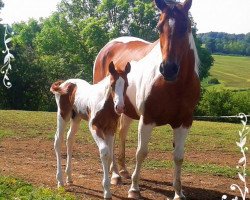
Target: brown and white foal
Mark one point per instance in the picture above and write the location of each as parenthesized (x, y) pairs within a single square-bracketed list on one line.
[(100, 104)]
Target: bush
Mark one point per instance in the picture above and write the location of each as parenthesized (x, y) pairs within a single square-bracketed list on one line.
[(213, 81), (223, 103)]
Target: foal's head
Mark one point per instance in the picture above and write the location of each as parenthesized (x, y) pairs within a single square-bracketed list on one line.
[(119, 84), (174, 27)]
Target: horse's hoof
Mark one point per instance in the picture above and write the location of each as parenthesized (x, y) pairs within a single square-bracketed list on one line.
[(134, 195), (69, 183), (107, 198), (180, 198), (116, 181), (124, 174), (60, 185)]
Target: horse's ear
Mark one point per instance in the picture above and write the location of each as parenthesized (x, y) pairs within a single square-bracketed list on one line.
[(112, 68), (160, 4), (127, 68), (187, 5)]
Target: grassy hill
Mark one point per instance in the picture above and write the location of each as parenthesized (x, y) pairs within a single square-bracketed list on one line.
[(233, 72)]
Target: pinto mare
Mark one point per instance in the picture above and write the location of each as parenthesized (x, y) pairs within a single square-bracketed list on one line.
[(164, 86), (100, 104)]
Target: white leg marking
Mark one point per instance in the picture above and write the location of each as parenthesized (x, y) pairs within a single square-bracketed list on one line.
[(180, 135), (105, 158), (125, 122), (144, 133), (57, 146), (74, 126)]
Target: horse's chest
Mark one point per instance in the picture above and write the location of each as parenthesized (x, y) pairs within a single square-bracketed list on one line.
[(106, 119), (171, 104)]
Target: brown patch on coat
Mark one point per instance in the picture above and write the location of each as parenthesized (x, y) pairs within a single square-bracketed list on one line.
[(67, 98), (106, 119), (120, 53)]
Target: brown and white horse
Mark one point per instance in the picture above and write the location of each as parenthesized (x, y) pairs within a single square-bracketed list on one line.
[(164, 86), (100, 104)]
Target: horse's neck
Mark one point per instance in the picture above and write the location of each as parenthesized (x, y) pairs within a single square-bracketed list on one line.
[(100, 94)]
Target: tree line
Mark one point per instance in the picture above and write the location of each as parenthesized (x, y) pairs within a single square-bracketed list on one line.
[(65, 44), (225, 43)]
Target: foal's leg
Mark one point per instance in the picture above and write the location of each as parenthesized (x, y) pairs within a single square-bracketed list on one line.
[(74, 126), (125, 122), (144, 133), (61, 123), (180, 135), (105, 158)]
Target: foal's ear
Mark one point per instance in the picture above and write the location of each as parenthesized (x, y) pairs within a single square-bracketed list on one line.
[(187, 5), (127, 68), (160, 4), (112, 68)]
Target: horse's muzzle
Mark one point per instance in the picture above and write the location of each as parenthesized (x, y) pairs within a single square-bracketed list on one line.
[(169, 70)]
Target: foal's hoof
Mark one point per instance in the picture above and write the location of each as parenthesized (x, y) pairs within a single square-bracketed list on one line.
[(124, 174), (116, 181), (134, 195)]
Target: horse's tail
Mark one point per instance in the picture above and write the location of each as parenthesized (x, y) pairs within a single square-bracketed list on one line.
[(56, 89)]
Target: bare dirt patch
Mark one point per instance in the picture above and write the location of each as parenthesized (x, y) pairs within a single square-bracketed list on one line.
[(33, 160)]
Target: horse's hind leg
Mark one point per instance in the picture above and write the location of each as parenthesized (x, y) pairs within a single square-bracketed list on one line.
[(125, 122), (180, 135), (61, 124), (74, 126)]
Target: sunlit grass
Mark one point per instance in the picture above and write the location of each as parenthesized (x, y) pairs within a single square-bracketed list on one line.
[(12, 188), (233, 72)]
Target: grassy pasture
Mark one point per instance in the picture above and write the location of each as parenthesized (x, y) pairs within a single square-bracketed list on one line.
[(209, 140), (233, 72)]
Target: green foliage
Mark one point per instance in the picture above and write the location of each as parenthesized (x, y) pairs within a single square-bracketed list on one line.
[(12, 188), (223, 103), (213, 81), (65, 45), (224, 43)]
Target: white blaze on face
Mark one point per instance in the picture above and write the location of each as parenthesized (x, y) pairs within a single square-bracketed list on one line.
[(171, 23), (119, 94)]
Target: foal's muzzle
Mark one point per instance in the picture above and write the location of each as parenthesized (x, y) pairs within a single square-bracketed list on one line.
[(169, 70)]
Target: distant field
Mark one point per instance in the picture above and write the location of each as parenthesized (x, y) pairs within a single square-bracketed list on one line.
[(232, 72)]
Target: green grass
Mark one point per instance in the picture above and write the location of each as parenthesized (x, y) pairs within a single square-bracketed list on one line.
[(12, 188), (191, 167), (233, 72)]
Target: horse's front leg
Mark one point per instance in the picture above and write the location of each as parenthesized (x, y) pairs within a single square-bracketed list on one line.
[(61, 123), (144, 133), (180, 135), (105, 156), (74, 126), (125, 122)]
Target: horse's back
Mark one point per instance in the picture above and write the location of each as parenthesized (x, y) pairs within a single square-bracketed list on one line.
[(121, 51)]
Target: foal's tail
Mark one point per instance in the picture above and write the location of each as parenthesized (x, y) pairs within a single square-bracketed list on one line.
[(56, 89)]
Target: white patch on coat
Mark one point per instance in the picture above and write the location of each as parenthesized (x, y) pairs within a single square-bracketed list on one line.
[(142, 76)]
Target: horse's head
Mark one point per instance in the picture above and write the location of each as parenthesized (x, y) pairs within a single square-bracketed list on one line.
[(119, 84), (174, 27)]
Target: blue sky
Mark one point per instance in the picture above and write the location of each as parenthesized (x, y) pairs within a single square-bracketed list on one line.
[(210, 15)]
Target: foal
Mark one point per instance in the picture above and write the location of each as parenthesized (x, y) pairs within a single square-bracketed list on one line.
[(100, 104)]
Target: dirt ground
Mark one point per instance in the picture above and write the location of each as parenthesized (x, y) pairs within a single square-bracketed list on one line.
[(33, 160)]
